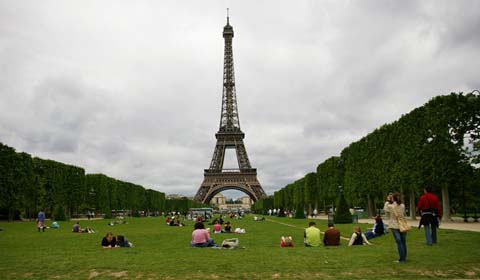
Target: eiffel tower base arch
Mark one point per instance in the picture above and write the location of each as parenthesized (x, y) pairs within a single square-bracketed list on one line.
[(216, 182)]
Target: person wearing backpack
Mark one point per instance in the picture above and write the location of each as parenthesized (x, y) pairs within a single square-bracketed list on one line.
[(429, 208)]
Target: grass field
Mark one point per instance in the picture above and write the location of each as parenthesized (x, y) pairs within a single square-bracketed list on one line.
[(163, 252)]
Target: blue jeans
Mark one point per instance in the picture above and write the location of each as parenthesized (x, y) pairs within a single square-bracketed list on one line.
[(369, 235), (209, 243), (430, 233), (401, 240)]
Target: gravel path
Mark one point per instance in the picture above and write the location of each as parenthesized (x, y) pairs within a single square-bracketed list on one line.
[(455, 223)]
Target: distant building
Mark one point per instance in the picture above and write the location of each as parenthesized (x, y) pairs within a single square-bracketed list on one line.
[(246, 200), (220, 201)]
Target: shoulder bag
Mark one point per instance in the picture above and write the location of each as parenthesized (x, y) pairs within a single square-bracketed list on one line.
[(402, 221)]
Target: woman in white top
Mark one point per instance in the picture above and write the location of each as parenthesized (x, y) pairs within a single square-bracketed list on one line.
[(396, 208), (358, 238)]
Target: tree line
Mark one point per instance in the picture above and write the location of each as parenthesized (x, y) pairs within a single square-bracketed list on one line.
[(437, 145), (29, 184)]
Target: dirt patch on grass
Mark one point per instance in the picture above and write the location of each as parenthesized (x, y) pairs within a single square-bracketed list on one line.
[(441, 273), (93, 274), (119, 274), (470, 273)]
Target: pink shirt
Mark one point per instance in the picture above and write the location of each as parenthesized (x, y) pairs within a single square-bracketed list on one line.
[(200, 236), (217, 227)]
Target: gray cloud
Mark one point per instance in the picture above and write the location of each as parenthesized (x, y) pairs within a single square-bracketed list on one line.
[(133, 90)]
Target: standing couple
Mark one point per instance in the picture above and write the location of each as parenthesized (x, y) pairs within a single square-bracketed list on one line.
[(429, 208)]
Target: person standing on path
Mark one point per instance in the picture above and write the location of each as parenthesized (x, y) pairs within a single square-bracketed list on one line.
[(429, 208), (396, 208)]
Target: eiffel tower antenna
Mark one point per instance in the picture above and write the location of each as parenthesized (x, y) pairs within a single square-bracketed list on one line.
[(229, 136)]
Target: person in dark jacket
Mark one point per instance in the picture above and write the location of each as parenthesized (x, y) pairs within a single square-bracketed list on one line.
[(378, 229), (331, 236), (109, 241)]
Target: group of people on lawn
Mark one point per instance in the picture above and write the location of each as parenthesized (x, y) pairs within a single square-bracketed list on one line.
[(110, 241), (201, 236), (331, 237), (428, 206)]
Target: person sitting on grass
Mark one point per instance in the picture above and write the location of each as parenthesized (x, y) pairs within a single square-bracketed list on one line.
[(227, 228), (123, 242), (109, 241), (331, 236), (76, 228), (312, 235), (377, 230), (217, 228), (201, 236), (358, 238)]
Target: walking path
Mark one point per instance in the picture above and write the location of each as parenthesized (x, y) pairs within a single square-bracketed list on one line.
[(285, 224), (454, 223)]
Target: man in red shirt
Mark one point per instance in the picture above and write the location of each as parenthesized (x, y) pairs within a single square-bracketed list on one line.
[(429, 208)]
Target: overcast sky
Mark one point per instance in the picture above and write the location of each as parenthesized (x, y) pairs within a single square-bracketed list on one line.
[(132, 89)]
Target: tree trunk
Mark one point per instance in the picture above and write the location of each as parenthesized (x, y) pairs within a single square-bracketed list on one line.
[(11, 214), (412, 205), (370, 210), (445, 203)]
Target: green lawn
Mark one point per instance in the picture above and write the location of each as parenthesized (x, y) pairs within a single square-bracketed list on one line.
[(163, 252)]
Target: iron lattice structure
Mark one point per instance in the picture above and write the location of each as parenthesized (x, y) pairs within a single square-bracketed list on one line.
[(229, 136)]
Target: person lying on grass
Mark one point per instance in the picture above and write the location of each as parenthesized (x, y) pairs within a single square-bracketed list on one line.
[(123, 242), (109, 241)]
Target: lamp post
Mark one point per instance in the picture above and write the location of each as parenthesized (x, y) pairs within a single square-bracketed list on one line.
[(91, 195), (465, 217)]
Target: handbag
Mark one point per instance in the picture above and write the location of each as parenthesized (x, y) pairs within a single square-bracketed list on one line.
[(231, 243), (402, 221)]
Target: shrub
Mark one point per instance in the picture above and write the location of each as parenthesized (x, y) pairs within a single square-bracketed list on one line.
[(342, 214), (59, 214), (299, 214)]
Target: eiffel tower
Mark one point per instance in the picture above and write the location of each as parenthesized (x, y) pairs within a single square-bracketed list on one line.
[(229, 136)]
